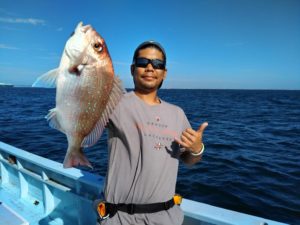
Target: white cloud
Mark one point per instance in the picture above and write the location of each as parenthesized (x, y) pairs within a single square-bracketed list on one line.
[(3, 46), (31, 21)]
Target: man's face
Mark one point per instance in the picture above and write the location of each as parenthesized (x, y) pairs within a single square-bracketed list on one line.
[(148, 79)]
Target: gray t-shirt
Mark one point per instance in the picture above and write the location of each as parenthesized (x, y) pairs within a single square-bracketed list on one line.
[(143, 158)]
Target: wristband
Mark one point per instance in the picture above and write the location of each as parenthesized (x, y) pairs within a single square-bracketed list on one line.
[(199, 153)]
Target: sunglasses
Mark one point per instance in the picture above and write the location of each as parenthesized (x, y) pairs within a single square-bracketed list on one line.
[(156, 63)]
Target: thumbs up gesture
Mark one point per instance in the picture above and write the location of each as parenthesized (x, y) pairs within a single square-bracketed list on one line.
[(191, 139)]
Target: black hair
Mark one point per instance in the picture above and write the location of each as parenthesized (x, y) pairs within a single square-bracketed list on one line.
[(151, 44)]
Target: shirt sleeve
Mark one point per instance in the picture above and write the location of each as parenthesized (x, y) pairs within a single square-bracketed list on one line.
[(185, 122), (114, 118)]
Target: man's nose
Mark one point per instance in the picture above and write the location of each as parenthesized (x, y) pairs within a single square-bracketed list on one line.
[(149, 67)]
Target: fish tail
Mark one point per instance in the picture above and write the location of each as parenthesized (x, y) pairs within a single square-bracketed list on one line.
[(76, 157)]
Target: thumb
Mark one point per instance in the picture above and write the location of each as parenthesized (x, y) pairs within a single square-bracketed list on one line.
[(202, 127)]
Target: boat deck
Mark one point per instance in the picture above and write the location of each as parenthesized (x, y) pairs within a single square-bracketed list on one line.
[(40, 191)]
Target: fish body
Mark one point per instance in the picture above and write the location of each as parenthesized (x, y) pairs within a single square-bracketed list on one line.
[(86, 92)]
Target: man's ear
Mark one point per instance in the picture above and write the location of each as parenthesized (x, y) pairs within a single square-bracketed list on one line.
[(132, 67), (165, 73)]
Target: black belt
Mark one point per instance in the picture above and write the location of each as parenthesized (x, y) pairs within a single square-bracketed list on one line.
[(106, 209)]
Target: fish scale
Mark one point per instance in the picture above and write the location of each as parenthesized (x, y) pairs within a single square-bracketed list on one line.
[(86, 96)]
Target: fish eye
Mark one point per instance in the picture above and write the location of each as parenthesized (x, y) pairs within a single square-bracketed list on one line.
[(98, 46)]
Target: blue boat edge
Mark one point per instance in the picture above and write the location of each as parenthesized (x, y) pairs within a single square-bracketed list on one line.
[(35, 190)]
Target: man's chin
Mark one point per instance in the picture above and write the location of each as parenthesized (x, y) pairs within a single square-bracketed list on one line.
[(147, 88), (149, 85)]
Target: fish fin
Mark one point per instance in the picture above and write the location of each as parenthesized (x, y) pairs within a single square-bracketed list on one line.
[(79, 25), (52, 120), (76, 158), (47, 80), (114, 98)]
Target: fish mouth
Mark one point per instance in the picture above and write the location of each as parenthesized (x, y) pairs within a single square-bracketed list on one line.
[(83, 28), (77, 70)]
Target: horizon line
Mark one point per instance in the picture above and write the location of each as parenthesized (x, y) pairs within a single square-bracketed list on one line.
[(245, 89)]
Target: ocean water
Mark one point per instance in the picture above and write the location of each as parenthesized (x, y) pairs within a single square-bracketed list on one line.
[(252, 159)]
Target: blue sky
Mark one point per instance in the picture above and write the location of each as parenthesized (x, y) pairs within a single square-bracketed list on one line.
[(209, 43)]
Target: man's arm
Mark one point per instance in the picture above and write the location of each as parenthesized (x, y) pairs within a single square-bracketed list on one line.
[(191, 140)]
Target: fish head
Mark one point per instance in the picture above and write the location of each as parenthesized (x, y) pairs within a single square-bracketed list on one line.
[(86, 47)]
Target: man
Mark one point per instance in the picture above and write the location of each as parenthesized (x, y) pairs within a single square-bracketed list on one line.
[(147, 136)]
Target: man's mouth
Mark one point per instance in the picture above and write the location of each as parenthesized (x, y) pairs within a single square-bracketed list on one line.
[(149, 78)]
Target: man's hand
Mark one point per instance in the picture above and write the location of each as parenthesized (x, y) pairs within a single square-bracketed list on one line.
[(191, 140)]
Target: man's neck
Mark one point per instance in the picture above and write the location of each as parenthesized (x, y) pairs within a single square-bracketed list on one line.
[(150, 98)]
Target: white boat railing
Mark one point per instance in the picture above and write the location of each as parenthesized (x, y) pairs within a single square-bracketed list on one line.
[(48, 186), (65, 196)]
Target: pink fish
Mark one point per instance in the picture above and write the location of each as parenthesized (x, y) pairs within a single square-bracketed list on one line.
[(87, 91)]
